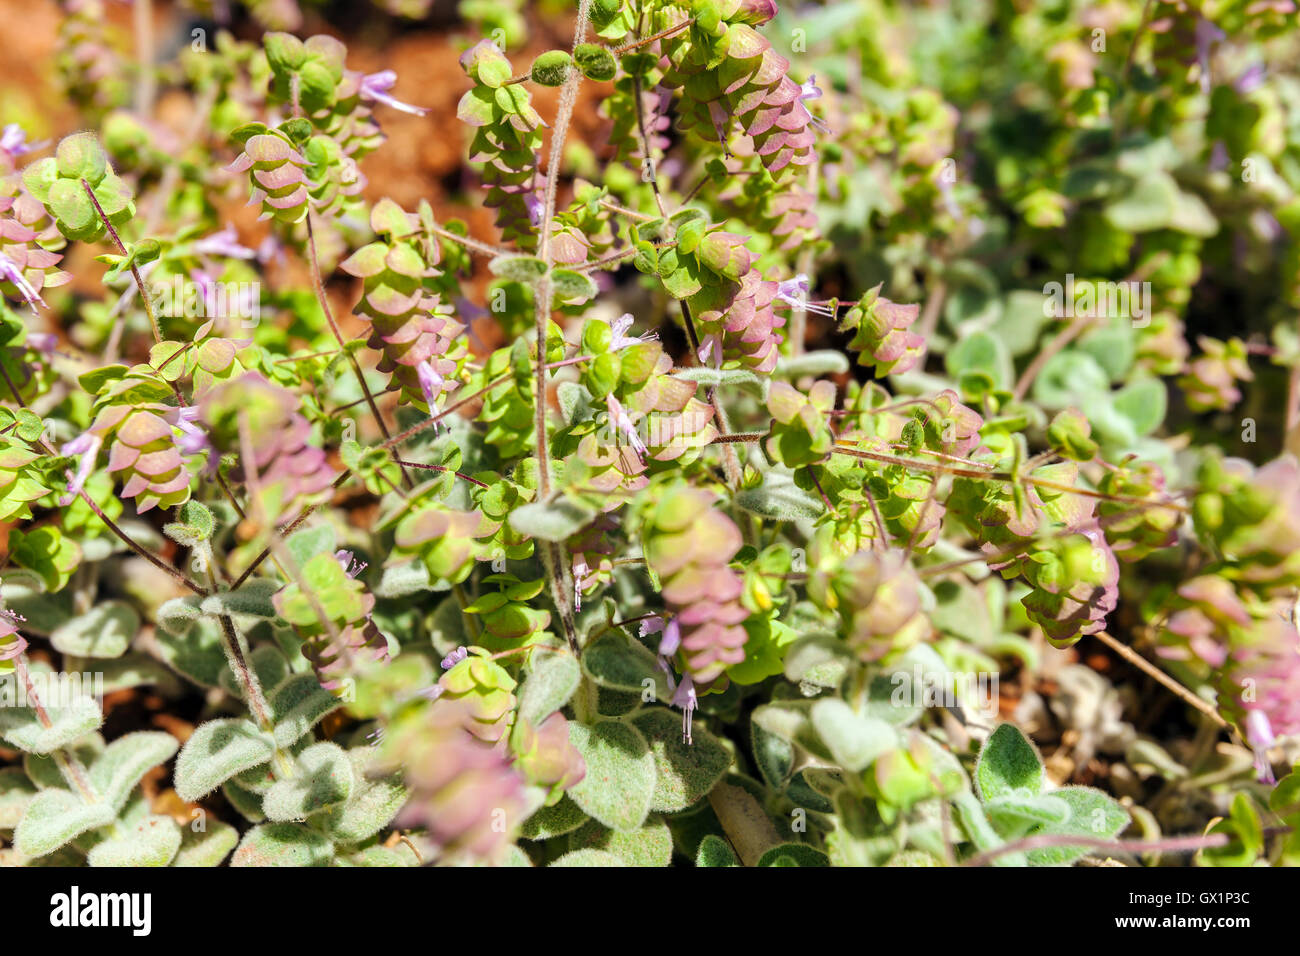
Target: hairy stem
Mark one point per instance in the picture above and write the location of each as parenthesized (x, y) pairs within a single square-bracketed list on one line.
[(319, 286), (69, 766), (135, 270)]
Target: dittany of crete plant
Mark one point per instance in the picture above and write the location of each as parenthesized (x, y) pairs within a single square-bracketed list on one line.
[(594, 562)]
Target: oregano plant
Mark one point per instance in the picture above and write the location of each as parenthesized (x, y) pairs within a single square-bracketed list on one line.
[(849, 435)]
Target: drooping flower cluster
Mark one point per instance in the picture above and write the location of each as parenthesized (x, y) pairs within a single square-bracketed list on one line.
[(1211, 380), (311, 79), (689, 544), (144, 451), (1252, 516), (464, 792), (443, 540), (783, 210), (331, 615), (410, 325), (57, 182), (1075, 580), (251, 413), (20, 481), (1249, 648), (278, 173), (881, 333), (730, 303), (878, 596), (486, 690), (731, 79), (1133, 530), (545, 756), (507, 139), (29, 243)]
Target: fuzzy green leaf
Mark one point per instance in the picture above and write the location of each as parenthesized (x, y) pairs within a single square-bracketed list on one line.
[(299, 704), (549, 687), (1008, 763), (620, 782), (685, 773), (283, 844), (556, 521), (217, 751), (206, 847), (324, 780), (153, 841), (105, 631), (125, 761), (22, 727), (854, 740), (715, 851), (53, 818)]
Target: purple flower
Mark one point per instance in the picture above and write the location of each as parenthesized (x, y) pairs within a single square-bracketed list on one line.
[(13, 140), (711, 351), (431, 383), (795, 292), (1219, 156), (1251, 80), (270, 249), (1207, 34), (809, 90), (454, 658), (224, 243), (1259, 733), (9, 270), (375, 86), (668, 673), (533, 203), (672, 639), (86, 446), (684, 697), (194, 440), (580, 572), (651, 625), (621, 339), (207, 290), (620, 420), (351, 566), (721, 124), (43, 342)]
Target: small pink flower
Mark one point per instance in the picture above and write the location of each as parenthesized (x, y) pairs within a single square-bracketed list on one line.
[(9, 270), (710, 352), (194, 440), (721, 124), (1259, 734), (375, 86), (43, 342), (684, 697), (809, 90), (86, 446), (13, 140), (621, 339), (431, 383), (672, 639), (795, 292), (351, 566), (224, 243), (619, 419), (536, 208), (580, 580), (454, 658)]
